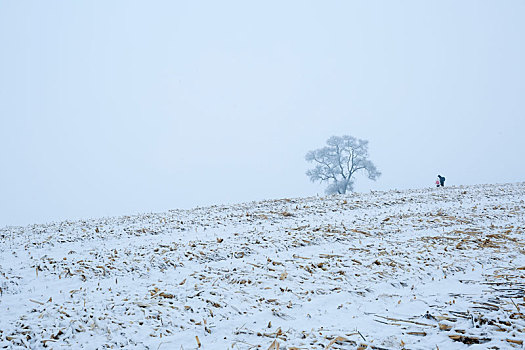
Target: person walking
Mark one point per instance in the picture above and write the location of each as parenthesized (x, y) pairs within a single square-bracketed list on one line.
[(441, 181)]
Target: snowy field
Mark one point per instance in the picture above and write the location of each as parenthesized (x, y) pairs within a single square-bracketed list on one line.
[(438, 268)]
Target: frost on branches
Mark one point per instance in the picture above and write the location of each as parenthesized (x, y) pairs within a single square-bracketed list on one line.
[(337, 163)]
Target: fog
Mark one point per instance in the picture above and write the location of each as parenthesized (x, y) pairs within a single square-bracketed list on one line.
[(124, 107)]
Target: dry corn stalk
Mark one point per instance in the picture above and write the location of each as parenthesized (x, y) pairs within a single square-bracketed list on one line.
[(336, 339), (274, 345), (444, 327), (198, 341)]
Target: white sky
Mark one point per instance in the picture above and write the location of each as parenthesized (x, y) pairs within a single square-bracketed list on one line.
[(118, 107)]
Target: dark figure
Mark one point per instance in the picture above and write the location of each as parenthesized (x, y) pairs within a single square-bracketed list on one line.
[(441, 180)]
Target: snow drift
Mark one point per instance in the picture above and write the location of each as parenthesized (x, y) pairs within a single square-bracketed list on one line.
[(420, 269)]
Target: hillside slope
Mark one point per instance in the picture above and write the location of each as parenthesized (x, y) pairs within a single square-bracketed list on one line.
[(439, 267)]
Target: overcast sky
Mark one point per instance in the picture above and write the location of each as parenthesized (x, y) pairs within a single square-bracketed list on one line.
[(122, 107)]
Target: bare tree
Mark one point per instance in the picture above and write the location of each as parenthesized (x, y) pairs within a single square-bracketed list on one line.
[(337, 162)]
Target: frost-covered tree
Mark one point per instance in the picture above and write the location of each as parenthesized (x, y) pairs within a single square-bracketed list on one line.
[(337, 163)]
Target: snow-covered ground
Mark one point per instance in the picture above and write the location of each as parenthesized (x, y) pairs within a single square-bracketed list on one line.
[(420, 269)]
